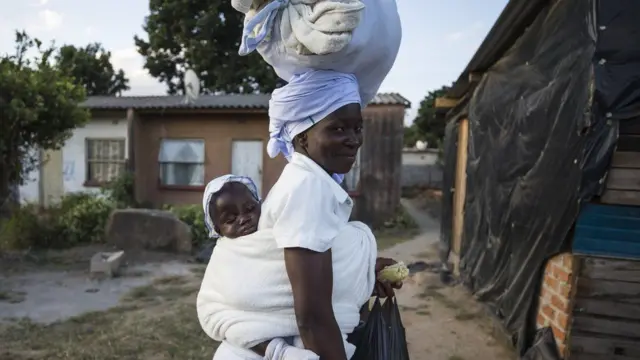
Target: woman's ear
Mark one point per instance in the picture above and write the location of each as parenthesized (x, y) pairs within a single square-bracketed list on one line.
[(303, 141)]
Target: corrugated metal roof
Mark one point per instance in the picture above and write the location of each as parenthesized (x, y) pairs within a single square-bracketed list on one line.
[(236, 101)]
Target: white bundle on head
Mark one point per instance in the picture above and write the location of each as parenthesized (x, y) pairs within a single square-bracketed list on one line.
[(305, 100), (307, 27), (215, 186)]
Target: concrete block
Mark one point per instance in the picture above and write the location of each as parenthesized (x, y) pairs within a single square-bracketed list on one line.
[(107, 263)]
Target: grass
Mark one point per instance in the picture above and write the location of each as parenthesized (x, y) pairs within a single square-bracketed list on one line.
[(157, 321)]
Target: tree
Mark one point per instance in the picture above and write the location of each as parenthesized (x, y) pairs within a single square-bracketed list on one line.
[(92, 68), (38, 109), (203, 35), (427, 125)]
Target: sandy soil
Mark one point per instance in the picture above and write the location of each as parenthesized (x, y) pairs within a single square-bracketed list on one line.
[(442, 322)]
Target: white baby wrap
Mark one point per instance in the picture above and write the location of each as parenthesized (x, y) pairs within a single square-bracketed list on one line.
[(359, 37), (246, 298)]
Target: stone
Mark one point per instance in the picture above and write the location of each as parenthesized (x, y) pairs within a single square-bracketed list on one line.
[(147, 229), (106, 263)]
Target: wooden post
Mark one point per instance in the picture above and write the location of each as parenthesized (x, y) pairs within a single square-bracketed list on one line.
[(460, 191)]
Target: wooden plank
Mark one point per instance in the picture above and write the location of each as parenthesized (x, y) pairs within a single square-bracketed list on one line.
[(607, 308), (621, 197), (604, 326), (475, 77), (608, 233), (444, 102), (629, 143), (619, 291), (460, 187), (624, 179), (599, 357), (593, 344), (626, 159), (610, 269), (630, 127)]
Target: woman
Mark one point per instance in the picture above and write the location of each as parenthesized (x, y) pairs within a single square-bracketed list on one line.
[(316, 123)]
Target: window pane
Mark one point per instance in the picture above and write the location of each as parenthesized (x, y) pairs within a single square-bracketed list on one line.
[(182, 174), (181, 151), (106, 159)]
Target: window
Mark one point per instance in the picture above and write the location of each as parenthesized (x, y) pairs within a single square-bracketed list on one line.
[(106, 160), (181, 162), (352, 178)]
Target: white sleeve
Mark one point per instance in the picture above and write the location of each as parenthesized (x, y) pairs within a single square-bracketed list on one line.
[(306, 217)]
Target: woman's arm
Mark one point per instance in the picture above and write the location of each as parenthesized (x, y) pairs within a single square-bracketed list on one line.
[(311, 277)]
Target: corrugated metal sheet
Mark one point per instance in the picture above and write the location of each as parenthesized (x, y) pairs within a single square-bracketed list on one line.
[(234, 101), (608, 231)]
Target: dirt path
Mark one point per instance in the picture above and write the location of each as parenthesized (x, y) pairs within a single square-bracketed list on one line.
[(442, 323)]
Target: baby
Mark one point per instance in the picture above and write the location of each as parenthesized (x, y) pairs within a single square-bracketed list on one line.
[(232, 210)]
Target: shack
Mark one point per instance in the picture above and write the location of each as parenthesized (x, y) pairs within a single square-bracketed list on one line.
[(541, 195)]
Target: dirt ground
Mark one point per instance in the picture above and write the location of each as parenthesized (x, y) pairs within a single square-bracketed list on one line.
[(442, 322), (51, 309)]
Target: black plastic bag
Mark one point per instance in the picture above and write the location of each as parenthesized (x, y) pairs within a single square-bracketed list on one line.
[(383, 335)]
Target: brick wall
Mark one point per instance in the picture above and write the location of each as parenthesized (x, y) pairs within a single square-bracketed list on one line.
[(555, 298)]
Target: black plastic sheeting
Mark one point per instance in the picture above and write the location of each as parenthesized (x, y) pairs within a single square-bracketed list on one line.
[(543, 125)]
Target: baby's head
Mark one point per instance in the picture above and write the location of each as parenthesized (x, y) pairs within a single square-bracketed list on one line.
[(232, 206)]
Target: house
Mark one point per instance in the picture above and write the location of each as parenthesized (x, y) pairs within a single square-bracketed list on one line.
[(541, 197), (174, 148)]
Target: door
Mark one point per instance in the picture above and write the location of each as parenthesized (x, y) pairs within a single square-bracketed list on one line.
[(246, 160)]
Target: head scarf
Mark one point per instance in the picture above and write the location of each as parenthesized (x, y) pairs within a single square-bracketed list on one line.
[(214, 186), (305, 100)]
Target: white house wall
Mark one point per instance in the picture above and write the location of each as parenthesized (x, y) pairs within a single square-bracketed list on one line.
[(29, 191), (74, 169)]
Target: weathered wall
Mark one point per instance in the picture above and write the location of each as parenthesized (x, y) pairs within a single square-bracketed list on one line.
[(419, 168)]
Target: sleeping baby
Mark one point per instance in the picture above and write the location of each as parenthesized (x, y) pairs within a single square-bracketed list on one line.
[(232, 211)]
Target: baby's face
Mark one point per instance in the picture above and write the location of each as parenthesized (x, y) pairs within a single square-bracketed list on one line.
[(236, 212)]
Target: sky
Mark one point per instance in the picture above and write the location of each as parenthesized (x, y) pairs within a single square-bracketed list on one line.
[(439, 37)]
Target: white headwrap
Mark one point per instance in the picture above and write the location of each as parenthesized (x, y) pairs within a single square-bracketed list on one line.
[(305, 100), (214, 186)]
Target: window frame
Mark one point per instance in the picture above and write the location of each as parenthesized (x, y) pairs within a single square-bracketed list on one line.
[(88, 181), (203, 164)]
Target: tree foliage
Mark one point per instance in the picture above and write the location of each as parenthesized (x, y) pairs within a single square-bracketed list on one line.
[(38, 109), (203, 35), (427, 126), (92, 68)]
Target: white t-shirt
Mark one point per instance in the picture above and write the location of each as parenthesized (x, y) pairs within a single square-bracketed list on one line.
[(306, 207)]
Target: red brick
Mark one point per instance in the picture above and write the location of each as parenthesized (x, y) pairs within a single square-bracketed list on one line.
[(541, 321), (552, 283), (548, 311), (561, 273), (564, 290), (558, 334), (559, 302), (562, 320)]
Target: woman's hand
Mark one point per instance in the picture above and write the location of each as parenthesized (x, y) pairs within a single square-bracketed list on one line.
[(383, 289)]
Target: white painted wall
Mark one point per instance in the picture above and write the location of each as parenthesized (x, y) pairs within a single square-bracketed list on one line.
[(74, 171), (428, 157), (74, 157), (29, 191)]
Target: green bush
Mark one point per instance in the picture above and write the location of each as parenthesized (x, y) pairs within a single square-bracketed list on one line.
[(193, 216), (85, 221), (78, 218), (121, 191)]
